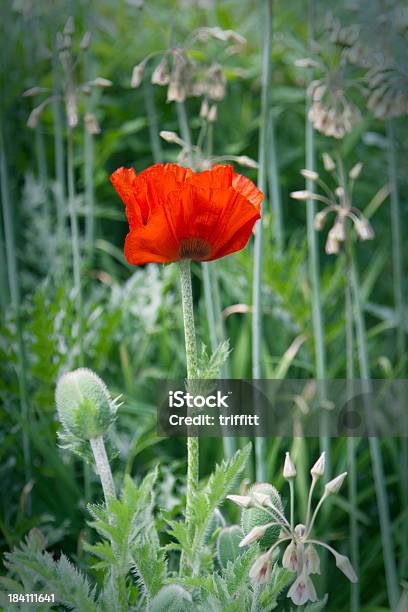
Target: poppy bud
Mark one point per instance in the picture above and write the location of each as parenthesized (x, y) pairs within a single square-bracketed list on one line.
[(334, 486), (289, 469), (85, 407)]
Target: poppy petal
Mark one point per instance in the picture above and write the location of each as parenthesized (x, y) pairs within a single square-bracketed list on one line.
[(248, 189)]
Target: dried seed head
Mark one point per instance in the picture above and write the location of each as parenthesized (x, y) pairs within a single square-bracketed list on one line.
[(334, 485), (137, 74), (356, 171), (319, 467), (301, 195), (91, 124), (289, 469), (311, 175), (328, 163), (161, 74)]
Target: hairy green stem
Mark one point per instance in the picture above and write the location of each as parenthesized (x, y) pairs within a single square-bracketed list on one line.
[(103, 467), (376, 458), (265, 19), (14, 289), (191, 361)]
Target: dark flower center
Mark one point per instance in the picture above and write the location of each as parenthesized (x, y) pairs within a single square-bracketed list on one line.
[(194, 248)]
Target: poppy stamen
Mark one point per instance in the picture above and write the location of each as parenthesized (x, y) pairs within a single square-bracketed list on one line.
[(194, 248)]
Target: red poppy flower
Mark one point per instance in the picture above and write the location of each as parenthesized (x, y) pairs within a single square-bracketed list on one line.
[(175, 213)]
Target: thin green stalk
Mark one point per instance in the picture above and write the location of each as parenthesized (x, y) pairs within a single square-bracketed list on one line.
[(274, 190), (265, 18), (76, 254), (14, 289), (376, 458), (151, 110), (191, 362), (314, 264), (399, 301), (59, 169), (351, 440), (184, 129), (209, 304)]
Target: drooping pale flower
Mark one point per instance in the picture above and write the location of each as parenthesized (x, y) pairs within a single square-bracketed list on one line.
[(344, 565), (311, 560), (302, 590), (260, 571), (175, 213), (290, 558), (254, 535)]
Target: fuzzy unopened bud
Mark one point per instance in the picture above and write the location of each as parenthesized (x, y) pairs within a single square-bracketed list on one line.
[(260, 571), (334, 486), (318, 469), (328, 163), (301, 195), (344, 565), (85, 407), (254, 535), (311, 175), (243, 501), (289, 469), (356, 171), (137, 75)]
